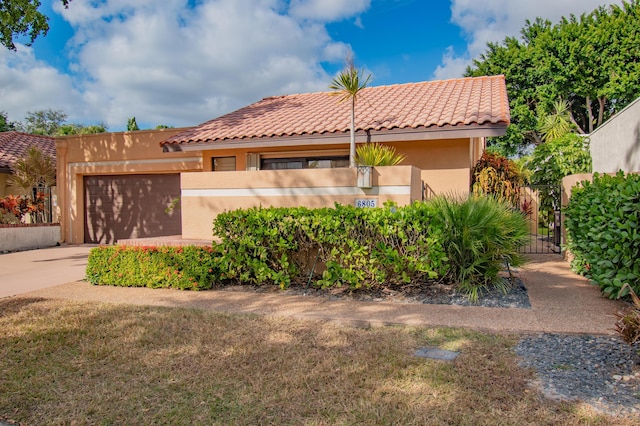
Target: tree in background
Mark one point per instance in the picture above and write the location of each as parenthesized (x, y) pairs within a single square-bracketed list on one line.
[(43, 122), (592, 62), (80, 129), (555, 159), (5, 124), (348, 85), (132, 125), (21, 17), (49, 122)]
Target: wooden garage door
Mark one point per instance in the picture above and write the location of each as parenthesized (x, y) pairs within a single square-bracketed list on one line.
[(130, 206)]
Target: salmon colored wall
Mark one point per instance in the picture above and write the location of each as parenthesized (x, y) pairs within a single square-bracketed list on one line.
[(205, 195), (445, 164), (241, 154), (110, 154)]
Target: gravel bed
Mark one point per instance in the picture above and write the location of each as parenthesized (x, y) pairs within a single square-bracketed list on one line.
[(601, 371)]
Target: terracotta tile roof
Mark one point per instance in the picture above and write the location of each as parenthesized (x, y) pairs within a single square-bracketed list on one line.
[(14, 145), (427, 105)]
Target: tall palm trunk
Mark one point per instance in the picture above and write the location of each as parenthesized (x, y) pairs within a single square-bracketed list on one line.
[(352, 140)]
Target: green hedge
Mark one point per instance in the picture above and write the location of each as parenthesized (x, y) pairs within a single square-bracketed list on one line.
[(348, 246), (465, 242), (186, 268), (603, 225)]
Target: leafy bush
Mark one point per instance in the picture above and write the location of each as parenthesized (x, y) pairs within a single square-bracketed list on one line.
[(350, 246), (186, 268), (468, 242), (603, 225), (481, 236), (344, 245), (496, 175)]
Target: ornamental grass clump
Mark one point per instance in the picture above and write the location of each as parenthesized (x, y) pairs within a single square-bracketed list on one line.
[(628, 319), (481, 237), (375, 154)]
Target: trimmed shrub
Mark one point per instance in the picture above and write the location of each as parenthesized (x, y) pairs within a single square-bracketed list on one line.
[(347, 245), (481, 237), (186, 268), (603, 225), (466, 242)]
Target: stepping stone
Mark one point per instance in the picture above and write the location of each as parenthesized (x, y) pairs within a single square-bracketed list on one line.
[(435, 353)]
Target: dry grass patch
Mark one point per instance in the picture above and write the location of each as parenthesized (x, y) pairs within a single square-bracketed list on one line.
[(86, 363)]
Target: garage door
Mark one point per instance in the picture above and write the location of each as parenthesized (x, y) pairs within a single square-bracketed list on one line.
[(130, 206)]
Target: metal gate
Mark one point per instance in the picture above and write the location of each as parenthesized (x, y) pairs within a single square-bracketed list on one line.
[(541, 204)]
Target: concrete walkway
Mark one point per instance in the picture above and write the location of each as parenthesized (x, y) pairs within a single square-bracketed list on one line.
[(562, 302)]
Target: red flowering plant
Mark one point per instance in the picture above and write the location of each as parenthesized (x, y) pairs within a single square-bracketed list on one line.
[(16, 209)]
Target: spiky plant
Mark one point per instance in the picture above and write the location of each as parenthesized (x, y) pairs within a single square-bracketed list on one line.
[(375, 154), (481, 237), (558, 123), (628, 323)]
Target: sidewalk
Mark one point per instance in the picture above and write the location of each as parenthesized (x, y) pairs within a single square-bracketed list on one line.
[(562, 302)]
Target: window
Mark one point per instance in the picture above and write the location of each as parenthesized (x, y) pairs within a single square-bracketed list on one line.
[(304, 163), (223, 164)]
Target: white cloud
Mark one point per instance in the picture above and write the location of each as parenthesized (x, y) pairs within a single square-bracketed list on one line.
[(327, 10), (493, 20), (27, 84), (452, 66), (166, 63)]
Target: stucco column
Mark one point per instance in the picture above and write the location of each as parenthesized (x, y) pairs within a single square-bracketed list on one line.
[(63, 188)]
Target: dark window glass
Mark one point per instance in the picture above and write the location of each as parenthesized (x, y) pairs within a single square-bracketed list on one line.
[(304, 163)]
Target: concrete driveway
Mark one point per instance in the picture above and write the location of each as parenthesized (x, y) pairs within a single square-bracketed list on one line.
[(27, 271)]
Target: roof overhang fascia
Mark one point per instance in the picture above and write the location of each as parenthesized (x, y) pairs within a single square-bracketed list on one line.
[(395, 135)]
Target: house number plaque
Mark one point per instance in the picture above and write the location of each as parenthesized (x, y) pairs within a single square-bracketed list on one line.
[(364, 203)]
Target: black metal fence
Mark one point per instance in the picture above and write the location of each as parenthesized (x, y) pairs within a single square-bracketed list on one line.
[(541, 204)]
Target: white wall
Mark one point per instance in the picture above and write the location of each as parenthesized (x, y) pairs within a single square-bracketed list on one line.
[(615, 145), (28, 237)]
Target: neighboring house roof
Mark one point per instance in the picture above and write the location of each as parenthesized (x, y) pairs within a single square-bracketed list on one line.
[(414, 108), (14, 145)]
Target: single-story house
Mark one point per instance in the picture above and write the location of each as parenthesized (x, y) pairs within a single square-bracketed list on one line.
[(13, 146), (615, 145), (280, 151)]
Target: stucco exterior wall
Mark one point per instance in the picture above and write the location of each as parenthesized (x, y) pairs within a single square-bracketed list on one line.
[(110, 154), (446, 164), (615, 145), (205, 195)]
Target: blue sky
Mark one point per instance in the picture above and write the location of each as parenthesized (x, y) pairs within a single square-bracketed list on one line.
[(181, 63)]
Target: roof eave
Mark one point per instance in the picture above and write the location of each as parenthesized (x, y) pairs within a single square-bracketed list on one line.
[(394, 135)]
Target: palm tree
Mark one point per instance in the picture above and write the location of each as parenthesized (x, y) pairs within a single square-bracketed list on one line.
[(348, 85), (35, 170), (558, 123)]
